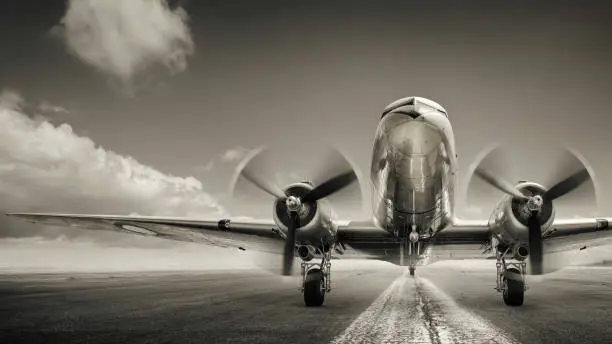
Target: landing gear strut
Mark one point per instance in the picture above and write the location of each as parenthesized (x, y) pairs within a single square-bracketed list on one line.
[(511, 279), (414, 250), (316, 280)]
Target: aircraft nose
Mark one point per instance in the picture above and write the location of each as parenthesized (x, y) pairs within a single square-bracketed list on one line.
[(413, 137), (410, 113)]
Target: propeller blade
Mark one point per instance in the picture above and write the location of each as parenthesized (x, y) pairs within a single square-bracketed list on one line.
[(290, 243), (330, 186), (254, 170), (335, 161), (535, 244), (262, 183), (499, 182), (568, 184)]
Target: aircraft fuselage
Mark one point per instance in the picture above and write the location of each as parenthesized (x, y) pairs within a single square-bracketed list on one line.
[(413, 168)]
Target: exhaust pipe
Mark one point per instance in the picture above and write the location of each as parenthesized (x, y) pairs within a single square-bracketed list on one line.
[(521, 252), (306, 252)]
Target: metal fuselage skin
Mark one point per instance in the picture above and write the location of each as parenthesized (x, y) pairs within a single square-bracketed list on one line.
[(413, 168)]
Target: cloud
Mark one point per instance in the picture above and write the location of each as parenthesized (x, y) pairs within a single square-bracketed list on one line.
[(206, 168), (11, 99), (45, 106), (231, 156), (50, 168), (124, 38), (234, 154)]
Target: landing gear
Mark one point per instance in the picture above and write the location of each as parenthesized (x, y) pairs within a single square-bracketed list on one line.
[(414, 251), (413, 255), (316, 280), (513, 290), (511, 279), (314, 288)]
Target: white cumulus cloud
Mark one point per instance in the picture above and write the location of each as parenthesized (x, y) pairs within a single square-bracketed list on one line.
[(50, 168), (123, 38)]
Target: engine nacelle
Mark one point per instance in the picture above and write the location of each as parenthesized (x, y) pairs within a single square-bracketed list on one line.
[(316, 225), (509, 220)]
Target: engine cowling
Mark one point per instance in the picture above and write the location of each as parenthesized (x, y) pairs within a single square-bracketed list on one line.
[(509, 220), (315, 219)]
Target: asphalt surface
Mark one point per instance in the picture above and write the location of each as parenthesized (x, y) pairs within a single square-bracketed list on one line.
[(441, 305)]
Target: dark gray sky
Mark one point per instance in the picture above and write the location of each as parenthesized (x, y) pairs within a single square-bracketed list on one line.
[(297, 75)]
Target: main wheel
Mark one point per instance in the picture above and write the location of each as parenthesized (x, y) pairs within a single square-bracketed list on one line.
[(314, 288), (514, 291)]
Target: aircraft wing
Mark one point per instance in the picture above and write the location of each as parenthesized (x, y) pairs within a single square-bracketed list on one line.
[(247, 235), (258, 235), (471, 239), (469, 232), (362, 239), (462, 240), (578, 233)]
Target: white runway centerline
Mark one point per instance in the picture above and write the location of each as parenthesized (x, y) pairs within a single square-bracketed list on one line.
[(414, 310)]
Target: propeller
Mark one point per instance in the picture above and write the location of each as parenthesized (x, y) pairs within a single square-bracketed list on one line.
[(499, 183), (288, 253), (252, 168), (535, 243), (534, 203)]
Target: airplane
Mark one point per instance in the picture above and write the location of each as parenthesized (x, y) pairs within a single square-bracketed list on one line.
[(412, 179)]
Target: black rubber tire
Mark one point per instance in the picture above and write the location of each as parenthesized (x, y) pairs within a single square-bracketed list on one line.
[(314, 292), (514, 291), (411, 270)]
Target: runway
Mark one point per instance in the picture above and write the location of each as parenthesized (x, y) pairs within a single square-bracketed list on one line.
[(441, 305)]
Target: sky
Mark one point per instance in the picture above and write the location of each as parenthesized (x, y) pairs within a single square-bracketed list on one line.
[(142, 107)]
